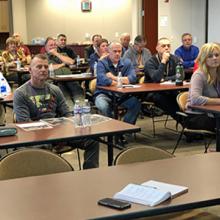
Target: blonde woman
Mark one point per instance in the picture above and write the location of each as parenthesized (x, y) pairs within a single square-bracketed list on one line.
[(10, 56), (12, 53), (205, 86)]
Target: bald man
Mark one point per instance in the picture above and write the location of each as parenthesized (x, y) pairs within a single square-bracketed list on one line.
[(125, 42)]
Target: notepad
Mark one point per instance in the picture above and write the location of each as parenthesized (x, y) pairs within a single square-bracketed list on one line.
[(54, 121), (130, 86), (150, 193)]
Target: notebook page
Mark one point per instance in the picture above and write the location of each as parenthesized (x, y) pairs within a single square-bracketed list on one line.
[(142, 195)]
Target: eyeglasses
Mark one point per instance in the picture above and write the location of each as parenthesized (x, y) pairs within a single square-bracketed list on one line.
[(165, 45), (187, 39), (211, 55)]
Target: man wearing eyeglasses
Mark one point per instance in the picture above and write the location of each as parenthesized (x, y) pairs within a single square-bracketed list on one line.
[(187, 52), (138, 53), (162, 67)]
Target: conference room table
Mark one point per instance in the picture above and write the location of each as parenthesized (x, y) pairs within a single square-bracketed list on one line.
[(20, 72), (7, 98), (66, 131), (215, 110), (138, 89), (74, 195), (79, 69), (73, 77)]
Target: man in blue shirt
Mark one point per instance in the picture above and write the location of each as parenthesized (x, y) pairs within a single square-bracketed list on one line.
[(107, 72), (187, 52)]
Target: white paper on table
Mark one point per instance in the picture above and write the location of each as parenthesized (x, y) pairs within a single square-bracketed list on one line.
[(131, 86), (34, 126)]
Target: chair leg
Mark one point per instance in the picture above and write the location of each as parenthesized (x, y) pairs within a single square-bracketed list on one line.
[(154, 129), (178, 141), (207, 144), (165, 123), (79, 161)]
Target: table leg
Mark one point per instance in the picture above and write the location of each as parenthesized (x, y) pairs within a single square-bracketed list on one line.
[(115, 107), (218, 133), (19, 78), (110, 150)]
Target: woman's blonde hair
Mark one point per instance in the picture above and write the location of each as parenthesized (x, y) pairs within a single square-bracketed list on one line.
[(205, 51), (10, 40)]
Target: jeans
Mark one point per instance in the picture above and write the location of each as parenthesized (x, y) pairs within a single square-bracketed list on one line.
[(132, 105), (74, 89), (165, 101), (91, 152)]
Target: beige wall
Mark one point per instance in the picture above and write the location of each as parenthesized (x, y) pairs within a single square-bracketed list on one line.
[(4, 25), (186, 16), (213, 22), (42, 18), (109, 18), (19, 18)]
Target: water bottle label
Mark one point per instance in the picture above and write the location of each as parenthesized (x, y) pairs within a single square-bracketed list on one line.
[(86, 109), (3, 89)]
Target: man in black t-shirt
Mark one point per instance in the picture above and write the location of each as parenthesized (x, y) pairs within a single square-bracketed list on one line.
[(62, 48)]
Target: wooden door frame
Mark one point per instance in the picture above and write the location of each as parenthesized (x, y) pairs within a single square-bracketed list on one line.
[(150, 23)]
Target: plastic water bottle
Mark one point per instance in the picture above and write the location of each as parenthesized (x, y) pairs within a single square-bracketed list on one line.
[(3, 87), (179, 74), (77, 60), (119, 80), (51, 71), (86, 114), (95, 69), (77, 110), (18, 62)]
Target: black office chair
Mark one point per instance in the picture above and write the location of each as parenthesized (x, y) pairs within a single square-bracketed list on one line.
[(153, 112), (207, 135)]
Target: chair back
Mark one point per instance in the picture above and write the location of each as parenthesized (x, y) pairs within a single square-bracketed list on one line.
[(32, 162), (92, 86), (141, 154), (141, 80), (182, 100)]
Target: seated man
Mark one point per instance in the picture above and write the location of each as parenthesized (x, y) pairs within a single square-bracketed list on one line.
[(23, 47), (138, 54), (107, 71), (159, 68), (62, 47), (187, 52), (125, 42), (37, 99), (92, 48), (61, 63)]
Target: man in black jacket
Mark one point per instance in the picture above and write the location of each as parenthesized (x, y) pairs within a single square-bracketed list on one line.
[(92, 48), (162, 67), (62, 48)]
